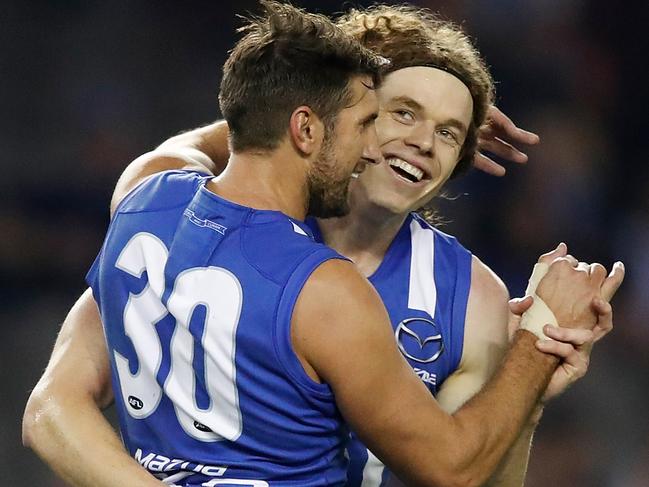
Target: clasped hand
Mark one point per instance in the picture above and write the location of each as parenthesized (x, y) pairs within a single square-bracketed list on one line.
[(579, 295)]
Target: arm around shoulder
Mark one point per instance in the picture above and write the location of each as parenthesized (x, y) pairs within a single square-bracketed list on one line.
[(204, 149), (155, 162)]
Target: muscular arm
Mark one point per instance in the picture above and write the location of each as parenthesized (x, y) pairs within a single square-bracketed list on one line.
[(63, 422), (388, 406), (211, 140), (485, 338), (485, 343)]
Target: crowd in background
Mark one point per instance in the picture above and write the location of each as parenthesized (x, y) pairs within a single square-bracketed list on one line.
[(86, 86)]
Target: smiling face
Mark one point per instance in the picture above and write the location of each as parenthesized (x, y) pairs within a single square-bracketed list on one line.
[(424, 115), (349, 146)]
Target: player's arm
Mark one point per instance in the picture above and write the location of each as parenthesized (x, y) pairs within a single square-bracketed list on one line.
[(63, 422), (211, 140), (389, 407), (204, 149), (340, 330), (487, 311), (486, 340)]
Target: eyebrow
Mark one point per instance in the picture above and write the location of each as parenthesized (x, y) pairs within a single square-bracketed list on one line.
[(406, 100), (452, 122), (370, 118)]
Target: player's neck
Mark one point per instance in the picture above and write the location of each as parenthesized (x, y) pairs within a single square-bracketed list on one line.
[(363, 236), (265, 181)]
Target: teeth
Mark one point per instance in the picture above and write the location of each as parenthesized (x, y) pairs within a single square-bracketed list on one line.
[(407, 167), (355, 175)]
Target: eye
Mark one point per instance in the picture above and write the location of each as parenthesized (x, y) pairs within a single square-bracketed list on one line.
[(404, 115), (448, 135)]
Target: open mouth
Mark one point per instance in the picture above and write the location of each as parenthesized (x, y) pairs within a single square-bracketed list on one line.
[(405, 170)]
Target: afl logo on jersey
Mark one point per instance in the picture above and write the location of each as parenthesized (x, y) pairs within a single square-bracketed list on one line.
[(135, 402), (419, 339)]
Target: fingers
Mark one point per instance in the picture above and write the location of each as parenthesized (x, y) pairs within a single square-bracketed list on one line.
[(500, 136), (573, 261), (575, 360), (584, 267), (597, 274), (560, 349), (500, 125), (604, 324), (596, 271), (489, 166), (502, 149), (573, 336), (549, 257), (518, 306), (613, 281)]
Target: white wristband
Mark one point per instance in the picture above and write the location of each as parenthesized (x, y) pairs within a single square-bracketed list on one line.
[(539, 314)]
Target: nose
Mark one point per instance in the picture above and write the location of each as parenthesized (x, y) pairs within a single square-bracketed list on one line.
[(422, 137), (371, 151)]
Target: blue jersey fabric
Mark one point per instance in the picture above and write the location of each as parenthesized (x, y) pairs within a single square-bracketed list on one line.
[(196, 295), (424, 281)]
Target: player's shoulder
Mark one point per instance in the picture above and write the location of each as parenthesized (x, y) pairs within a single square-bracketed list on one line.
[(152, 163), (337, 290), (486, 285), (338, 276), (162, 190)]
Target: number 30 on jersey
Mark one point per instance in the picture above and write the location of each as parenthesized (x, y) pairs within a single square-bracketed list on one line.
[(220, 293)]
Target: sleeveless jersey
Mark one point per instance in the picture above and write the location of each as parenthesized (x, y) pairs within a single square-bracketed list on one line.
[(424, 282), (196, 295)]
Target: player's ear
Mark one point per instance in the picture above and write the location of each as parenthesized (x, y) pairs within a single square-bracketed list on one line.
[(306, 130)]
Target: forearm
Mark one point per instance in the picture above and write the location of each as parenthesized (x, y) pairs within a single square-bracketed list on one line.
[(211, 140), (491, 421), (512, 470), (72, 436), (63, 422)]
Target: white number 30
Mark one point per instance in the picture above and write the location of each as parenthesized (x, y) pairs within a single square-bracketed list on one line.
[(220, 293)]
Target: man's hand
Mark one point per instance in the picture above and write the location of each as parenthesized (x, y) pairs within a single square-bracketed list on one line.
[(572, 345), (499, 136), (570, 288)]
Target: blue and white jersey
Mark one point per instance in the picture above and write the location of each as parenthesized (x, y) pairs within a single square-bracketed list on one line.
[(196, 295), (424, 282)]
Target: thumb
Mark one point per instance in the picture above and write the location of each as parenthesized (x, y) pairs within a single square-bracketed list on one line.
[(518, 306), (549, 257)]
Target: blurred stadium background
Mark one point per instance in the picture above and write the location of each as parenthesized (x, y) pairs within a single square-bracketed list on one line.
[(86, 86)]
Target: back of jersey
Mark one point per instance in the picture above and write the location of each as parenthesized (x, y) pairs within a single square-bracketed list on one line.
[(196, 295)]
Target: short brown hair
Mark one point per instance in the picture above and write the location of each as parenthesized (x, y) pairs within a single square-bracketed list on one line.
[(288, 58), (408, 37)]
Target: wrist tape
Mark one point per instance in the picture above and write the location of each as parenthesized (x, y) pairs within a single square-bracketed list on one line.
[(539, 314)]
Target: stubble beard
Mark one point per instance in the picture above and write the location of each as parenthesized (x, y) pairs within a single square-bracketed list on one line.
[(328, 192)]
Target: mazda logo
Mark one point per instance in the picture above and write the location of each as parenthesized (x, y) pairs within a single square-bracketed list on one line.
[(423, 331)]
